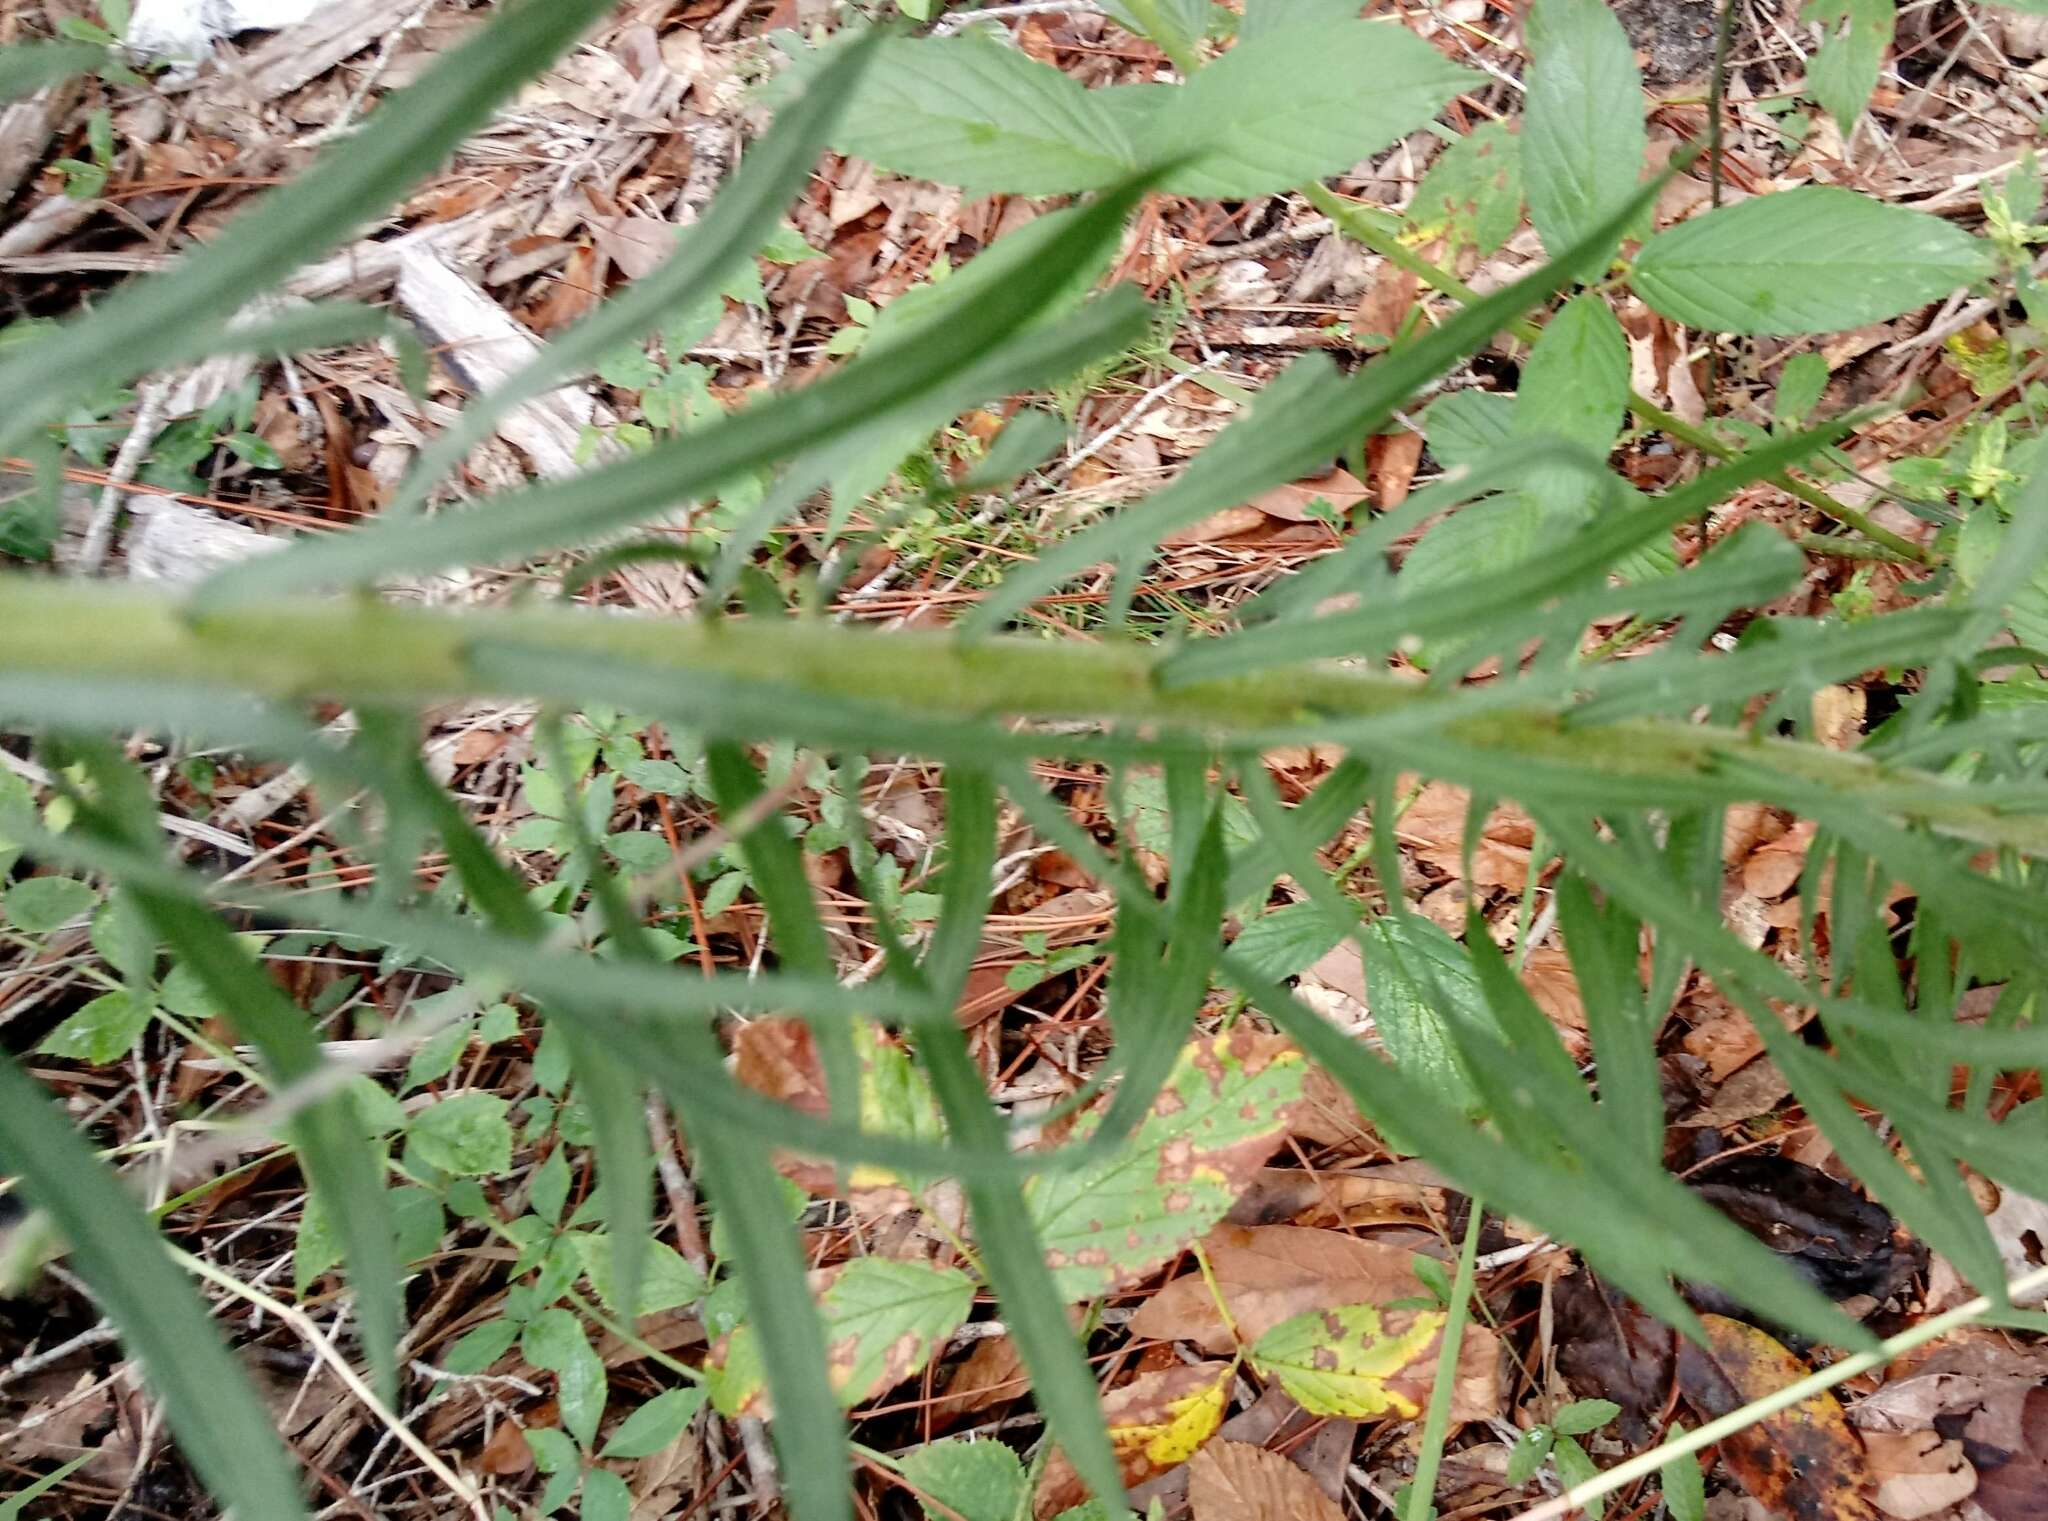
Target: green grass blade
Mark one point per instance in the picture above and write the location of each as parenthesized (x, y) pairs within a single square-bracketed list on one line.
[(775, 863), (988, 351), (328, 1135), (213, 1411), (1150, 1035), (139, 327), (1602, 946), (26, 67), (1011, 1254)]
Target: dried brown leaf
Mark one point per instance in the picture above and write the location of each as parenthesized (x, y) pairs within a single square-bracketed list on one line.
[(1291, 502), (1917, 1472), (1271, 1273), (1235, 1481)]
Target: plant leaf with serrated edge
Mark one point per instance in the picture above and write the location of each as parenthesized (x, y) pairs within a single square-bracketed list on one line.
[(883, 1320), (1337, 1362), (1221, 1113), (968, 111), (1814, 259), (974, 1481), (1582, 127), (1286, 107)]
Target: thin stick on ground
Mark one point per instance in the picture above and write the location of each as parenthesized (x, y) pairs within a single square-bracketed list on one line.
[(351, 1380)]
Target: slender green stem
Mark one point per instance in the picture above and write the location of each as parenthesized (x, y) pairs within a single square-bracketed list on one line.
[(1437, 1424), (66, 638), (1644, 1464), (1379, 234)]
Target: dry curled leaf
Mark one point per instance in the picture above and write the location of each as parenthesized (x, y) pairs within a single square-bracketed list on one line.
[(1235, 1481)]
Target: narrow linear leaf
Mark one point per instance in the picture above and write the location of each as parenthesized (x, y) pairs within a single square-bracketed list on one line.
[(137, 328), (213, 1411)]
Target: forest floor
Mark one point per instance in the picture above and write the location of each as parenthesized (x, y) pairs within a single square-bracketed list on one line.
[(576, 187)]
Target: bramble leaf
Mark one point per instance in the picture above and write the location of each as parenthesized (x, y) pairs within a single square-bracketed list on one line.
[(1816, 259), (1338, 1362), (1220, 1115)]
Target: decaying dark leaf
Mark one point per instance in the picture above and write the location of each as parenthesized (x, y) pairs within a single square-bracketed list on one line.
[(1828, 1233), (1804, 1462), (1609, 1348)]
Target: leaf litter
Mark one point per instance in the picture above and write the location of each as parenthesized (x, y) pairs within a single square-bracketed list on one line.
[(582, 187)]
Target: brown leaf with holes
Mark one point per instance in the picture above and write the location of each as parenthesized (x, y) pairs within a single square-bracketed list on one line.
[(1235, 1481), (1804, 1462), (1156, 1423)]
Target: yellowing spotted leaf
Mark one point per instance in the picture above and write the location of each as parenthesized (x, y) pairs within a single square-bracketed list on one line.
[(1188, 1422), (1341, 1362), (1220, 1115), (883, 1321), (1157, 1421)]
